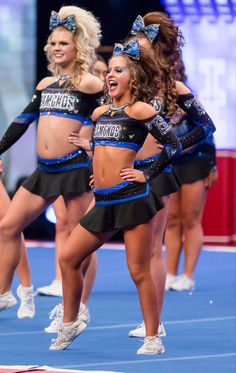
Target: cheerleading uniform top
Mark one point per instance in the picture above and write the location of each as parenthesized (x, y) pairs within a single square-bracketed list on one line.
[(54, 100)]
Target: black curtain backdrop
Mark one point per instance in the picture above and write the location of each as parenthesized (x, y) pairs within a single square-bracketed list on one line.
[(116, 17)]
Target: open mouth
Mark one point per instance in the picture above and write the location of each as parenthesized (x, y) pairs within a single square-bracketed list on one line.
[(112, 84)]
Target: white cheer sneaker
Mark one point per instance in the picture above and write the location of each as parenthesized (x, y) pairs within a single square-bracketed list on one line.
[(151, 346), (182, 283), (140, 331), (66, 334), (27, 306), (7, 300), (52, 290), (170, 280), (57, 313)]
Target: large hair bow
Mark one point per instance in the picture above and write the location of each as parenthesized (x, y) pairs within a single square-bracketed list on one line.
[(151, 31), (69, 22), (131, 48)]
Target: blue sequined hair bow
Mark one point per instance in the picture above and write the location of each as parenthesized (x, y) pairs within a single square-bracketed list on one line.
[(131, 48), (69, 22), (150, 31)]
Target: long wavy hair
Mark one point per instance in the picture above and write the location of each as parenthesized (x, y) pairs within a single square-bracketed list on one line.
[(167, 49), (143, 77), (87, 38)]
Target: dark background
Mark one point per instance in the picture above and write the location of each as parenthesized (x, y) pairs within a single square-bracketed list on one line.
[(116, 18)]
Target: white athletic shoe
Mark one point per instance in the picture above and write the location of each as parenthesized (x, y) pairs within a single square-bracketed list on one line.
[(52, 290), (27, 307), (161, 330), (57, 313), (7, 300), (151, 346), (66, 335), (170, 279), (183, 282), (140, 331), (84, 314)]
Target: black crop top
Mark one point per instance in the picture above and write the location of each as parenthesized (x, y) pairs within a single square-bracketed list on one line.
[(54, 100), (120, 130), (60, 101)]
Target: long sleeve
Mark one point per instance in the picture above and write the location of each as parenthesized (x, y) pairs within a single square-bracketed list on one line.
[(163, 133), (204, 126), (21, 123)]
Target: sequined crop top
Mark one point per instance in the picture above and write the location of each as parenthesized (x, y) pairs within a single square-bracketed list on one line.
[(121, 130), (57, 100), (54, 100)]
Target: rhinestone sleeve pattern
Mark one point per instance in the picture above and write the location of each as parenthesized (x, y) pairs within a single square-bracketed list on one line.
[(190, 105), (163, 133), (205, 147), (21, 123)]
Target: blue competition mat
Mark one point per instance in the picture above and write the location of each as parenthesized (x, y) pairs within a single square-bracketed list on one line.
[(201, 325)]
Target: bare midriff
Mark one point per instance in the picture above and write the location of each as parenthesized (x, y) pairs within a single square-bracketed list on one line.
[(53, 133), (108, 162)]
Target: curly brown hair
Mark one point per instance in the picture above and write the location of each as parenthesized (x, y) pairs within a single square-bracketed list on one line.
[(144, 80), (167, 50)]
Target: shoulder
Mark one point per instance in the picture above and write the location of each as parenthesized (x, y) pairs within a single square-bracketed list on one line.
[(99, 111), (141, 111), (45, 82), (181, 88), (91, 84)]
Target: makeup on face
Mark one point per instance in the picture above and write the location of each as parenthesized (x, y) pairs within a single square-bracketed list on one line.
[(62, 46)]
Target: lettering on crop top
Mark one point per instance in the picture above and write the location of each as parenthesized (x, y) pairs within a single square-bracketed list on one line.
[(107, 131), (63, 101)]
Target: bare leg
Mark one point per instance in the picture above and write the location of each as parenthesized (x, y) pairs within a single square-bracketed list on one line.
[(62, 230), (18, 216), (138, 254), (173, 234), (193, 198), (80, 245), (23, 269), (89, 278), (158, 268), (77, 208)]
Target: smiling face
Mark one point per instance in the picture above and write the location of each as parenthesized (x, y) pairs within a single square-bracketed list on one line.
[(118, 78), (63, 49)]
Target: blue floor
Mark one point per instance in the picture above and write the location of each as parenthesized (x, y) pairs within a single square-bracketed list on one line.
[(201, 325)]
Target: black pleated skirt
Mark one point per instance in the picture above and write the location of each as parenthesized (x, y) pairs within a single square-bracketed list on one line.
[(69, 174), (124, 205)]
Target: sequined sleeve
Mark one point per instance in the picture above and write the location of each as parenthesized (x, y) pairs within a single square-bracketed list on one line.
[(204, 125), (21, 123), (163, 133)]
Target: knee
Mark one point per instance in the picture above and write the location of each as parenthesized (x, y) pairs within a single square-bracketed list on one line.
[(62, 225), (139, 272), (192, 220), (69, 261), (173, 221), (8, 230)]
